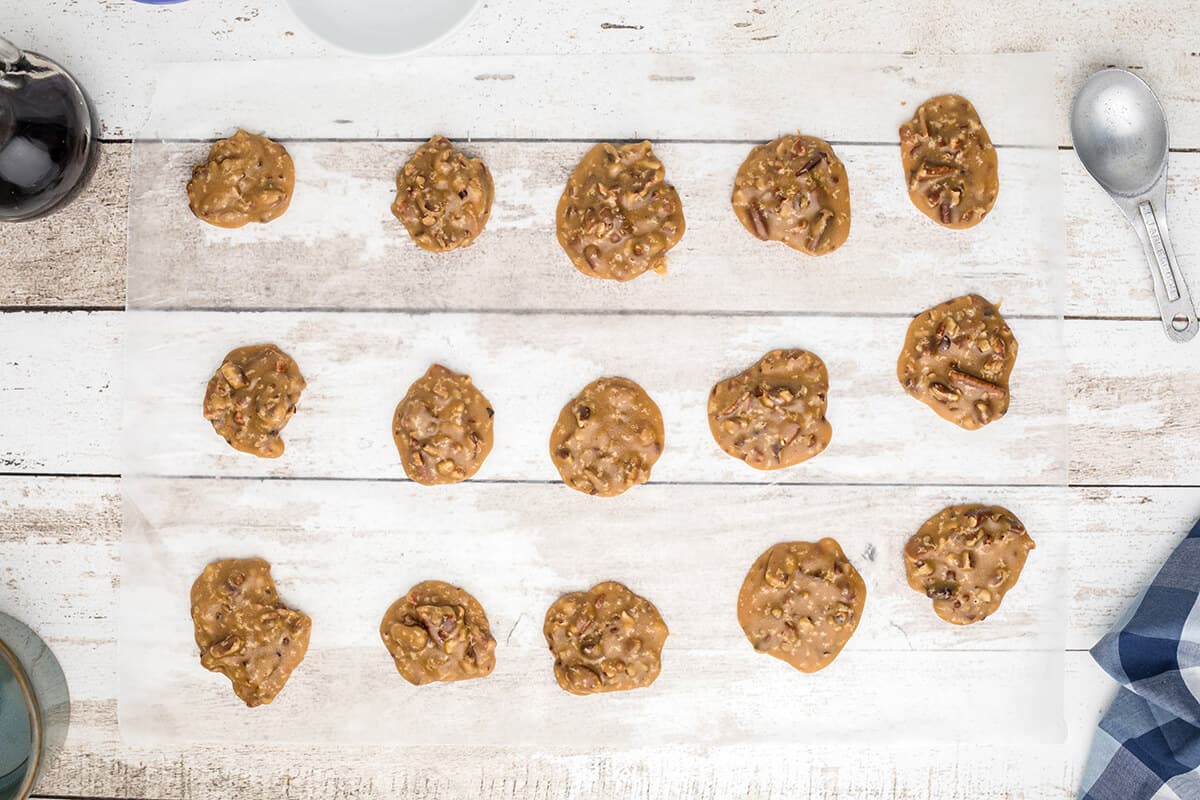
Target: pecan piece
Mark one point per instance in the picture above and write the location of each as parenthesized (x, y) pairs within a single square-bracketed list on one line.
[(754, 211), (943, 392), (965, 380)]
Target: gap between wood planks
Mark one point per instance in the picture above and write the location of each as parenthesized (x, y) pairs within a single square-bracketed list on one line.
[(1069, 485), (531, 140), (528, 140), (550, 482), (19, 309), (759, 484)]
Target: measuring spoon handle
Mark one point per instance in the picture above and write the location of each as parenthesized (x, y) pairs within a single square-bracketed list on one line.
[(1174, 302)]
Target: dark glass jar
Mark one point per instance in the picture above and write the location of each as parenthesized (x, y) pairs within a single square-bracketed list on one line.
[(47, 135)]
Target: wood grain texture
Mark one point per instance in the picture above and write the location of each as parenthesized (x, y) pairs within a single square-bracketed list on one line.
[(518, 548), (35, 372), (49, 526), (80, 253), (664, 96), (58, 557), (1107, 274), (75, 257), (113, 45), (1124, 428), (339, 246), (1132, 406), (359, 365)]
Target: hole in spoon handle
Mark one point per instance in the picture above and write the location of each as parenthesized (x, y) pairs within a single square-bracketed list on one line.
[(1178, 313)]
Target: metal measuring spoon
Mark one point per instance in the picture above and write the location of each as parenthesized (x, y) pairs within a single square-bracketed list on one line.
[(1120, 135)]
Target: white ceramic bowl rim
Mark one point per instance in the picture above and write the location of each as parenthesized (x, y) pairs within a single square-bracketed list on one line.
[(383, 28)]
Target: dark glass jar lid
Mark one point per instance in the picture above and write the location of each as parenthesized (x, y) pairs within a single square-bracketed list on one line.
[(47, 135)]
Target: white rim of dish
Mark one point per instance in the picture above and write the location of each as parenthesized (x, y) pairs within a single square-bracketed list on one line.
[(467, 17)]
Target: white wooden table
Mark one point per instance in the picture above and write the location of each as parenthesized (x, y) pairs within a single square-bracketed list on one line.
[(1134, 429)]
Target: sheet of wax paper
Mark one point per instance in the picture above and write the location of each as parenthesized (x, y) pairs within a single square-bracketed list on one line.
[(338, 284)]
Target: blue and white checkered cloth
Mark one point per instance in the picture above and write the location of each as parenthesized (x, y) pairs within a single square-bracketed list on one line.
[(1148, 744)]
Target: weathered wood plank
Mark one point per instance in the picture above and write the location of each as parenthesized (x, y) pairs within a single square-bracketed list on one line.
[(358, 366), (115, 47), (74, 359), (111, 46), (339, 246), (1107, 274), (1116, 413), (1119, 538), (75, 257), (1132, 405), (79, 255), (518, 548), (663, 96)]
